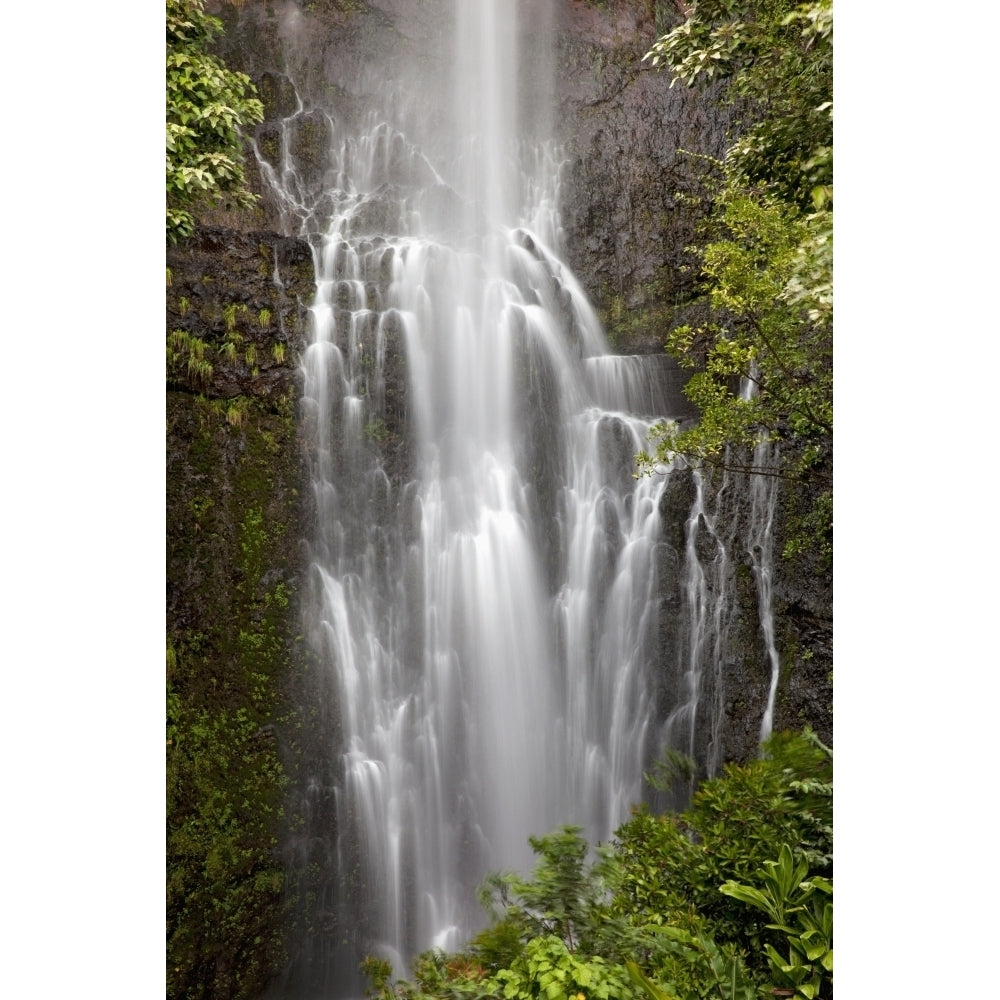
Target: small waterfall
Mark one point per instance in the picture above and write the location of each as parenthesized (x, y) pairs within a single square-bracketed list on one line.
[(484, 593), (694, 723), (721, 536), (760, 548)]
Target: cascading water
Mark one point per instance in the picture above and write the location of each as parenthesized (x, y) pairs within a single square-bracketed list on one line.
[(760, 549), (703, 650), (483, 593)]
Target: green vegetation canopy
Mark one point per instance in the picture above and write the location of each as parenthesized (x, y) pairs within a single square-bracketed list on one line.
[(207, 104)]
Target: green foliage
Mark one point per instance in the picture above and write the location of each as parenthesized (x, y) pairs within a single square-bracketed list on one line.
[(647, 919), (498, 945), (237, 411), (378, 972), (561, 893), (782, 887), (668, 869), (707, 970), (548, 970), (221, 875), (776, 57), (207, 105), (376, 431), (802, 910), (187, 352), (672, 767), (768, 281), (645, 984), (767, 260), (227, 653)]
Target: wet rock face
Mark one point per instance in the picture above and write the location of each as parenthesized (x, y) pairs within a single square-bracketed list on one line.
[(621, 125), (237, 306), (236, 310), (625, 224), (736, 678), (803, 595)]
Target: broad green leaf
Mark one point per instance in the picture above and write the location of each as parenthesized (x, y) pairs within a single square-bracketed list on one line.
[(645, 984)]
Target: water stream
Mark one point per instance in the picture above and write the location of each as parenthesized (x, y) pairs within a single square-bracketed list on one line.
[(482, 598)]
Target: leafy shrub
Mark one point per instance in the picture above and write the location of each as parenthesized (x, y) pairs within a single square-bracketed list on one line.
[(207, 104), (662, 912)]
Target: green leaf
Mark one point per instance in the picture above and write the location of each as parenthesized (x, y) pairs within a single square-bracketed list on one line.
[(645, 984)]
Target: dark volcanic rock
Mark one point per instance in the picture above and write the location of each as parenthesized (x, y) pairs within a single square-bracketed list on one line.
[(241, 300)]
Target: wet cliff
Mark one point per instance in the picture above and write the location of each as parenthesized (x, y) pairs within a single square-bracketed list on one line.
[(628, 209), (629, 188), (237, 317)]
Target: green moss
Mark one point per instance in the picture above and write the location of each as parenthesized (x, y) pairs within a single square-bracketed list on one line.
[(269, 144), (309, 142), (628, 326), (377, 431), (230, 557)]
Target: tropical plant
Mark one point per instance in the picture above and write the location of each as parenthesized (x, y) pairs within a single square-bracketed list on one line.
[(377, 973), (549, 970), (764, 359), (718, 973), (801, 909), (646, 918), (776, 58), (561, 896), (186, 352), (207, 105), (672, 865)]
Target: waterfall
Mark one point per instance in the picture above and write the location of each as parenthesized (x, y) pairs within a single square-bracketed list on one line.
[(482, 604), (760, 549)]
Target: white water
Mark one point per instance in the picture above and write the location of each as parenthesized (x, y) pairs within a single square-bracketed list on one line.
[(482, 597), (760, 549), (485, 695)]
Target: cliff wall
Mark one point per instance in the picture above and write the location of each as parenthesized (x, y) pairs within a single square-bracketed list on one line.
[(237, 316)]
